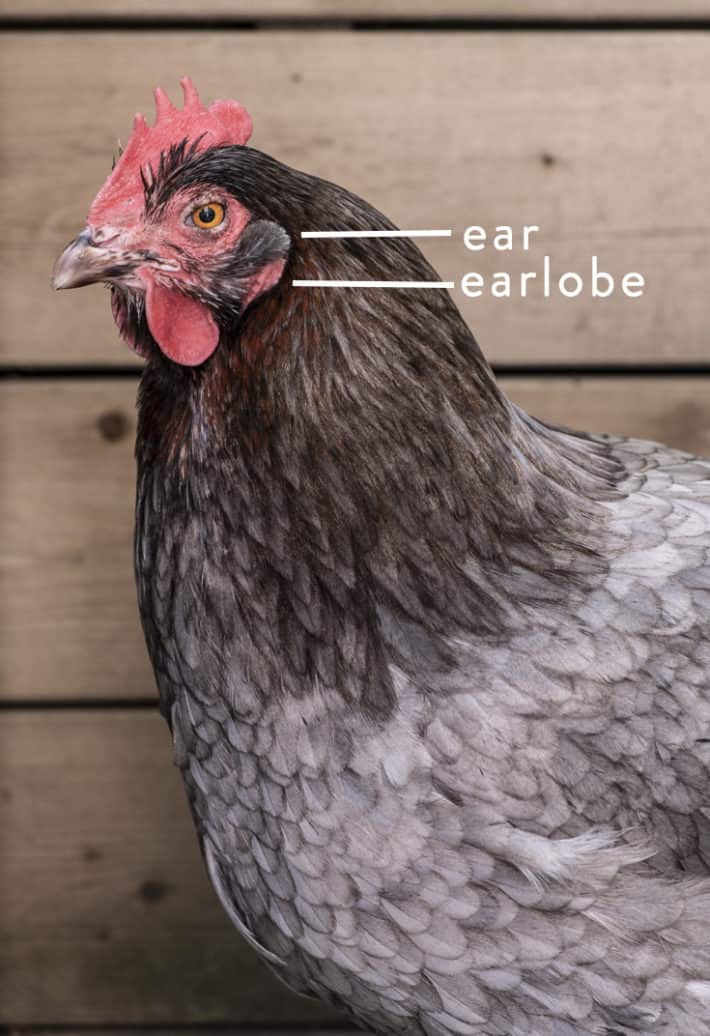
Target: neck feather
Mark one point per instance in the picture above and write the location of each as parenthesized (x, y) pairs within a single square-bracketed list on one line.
[(350, 468)]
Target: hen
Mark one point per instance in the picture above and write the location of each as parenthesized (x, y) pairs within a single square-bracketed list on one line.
[(436, 672)]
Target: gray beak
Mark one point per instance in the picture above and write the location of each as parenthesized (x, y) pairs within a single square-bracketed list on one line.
[(83, 262)]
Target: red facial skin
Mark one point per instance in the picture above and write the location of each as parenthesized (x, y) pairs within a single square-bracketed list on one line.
[(183, 327), (164, 254)]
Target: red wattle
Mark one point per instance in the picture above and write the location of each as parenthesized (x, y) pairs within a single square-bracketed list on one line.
[(184, 328)]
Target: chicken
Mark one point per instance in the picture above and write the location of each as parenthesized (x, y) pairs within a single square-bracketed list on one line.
[(436, 672)]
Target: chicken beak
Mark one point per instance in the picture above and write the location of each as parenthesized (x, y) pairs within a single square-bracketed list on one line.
[(83, 262)]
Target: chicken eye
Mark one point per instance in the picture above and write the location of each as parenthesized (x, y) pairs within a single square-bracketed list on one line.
[(208, 216)]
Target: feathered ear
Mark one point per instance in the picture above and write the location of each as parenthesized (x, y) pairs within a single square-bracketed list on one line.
[(121, 198), (269, 245)]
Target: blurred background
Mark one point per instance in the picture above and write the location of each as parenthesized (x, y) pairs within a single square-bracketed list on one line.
[(588, 118)]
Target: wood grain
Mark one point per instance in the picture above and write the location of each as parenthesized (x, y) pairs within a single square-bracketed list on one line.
[(106, 914), (68, 617), (424, 9), (592, 136), (68, 623)]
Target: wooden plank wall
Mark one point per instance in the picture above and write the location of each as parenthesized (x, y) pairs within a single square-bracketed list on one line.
[(432, 11), (594, 130), (597, 137)]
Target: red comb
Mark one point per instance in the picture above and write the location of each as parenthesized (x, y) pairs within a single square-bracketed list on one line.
[(224, 122)]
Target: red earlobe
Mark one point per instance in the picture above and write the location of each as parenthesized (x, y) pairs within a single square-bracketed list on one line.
[(265, 279)]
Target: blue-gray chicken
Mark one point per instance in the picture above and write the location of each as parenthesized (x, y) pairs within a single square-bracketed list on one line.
[(436, 672)]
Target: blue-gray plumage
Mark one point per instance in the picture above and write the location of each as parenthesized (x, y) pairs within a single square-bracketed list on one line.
[(522, 844), (436, 672)]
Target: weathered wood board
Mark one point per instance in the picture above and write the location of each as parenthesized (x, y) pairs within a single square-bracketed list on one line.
[(592, 136), (68, 617), (425, 9), (67, 605), (106, 913)]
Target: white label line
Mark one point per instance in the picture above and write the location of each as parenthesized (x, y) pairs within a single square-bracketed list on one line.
[(376, 233), (372, 284)]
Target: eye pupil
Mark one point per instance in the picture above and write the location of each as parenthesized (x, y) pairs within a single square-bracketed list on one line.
[(209, 215)]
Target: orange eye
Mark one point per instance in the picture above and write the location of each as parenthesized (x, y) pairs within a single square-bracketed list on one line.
[(209, 215)]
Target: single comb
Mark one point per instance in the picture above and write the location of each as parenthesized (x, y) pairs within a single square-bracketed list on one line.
[(121, 198)]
